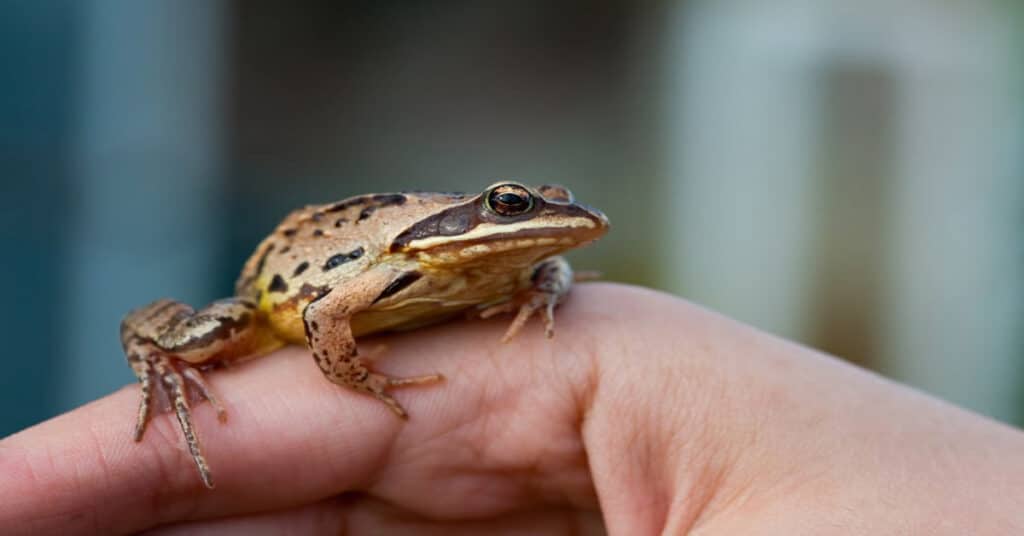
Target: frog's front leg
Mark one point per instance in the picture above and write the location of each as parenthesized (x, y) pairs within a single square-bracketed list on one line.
[(163, 340), (551, 281), (329, 336)]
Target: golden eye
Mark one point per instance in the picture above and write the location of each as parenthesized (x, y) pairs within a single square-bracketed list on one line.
[(509, 200)]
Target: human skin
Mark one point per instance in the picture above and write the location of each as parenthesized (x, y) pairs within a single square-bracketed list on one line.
[(644, 415)]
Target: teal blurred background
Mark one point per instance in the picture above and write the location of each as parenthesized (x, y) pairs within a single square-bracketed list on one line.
[(846, 174)]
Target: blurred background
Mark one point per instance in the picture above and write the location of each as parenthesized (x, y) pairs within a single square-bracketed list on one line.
[(846, 174)]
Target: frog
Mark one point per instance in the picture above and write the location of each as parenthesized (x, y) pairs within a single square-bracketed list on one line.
[(329, 274)]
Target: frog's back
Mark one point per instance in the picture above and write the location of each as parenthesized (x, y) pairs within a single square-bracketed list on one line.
[(318, 245)]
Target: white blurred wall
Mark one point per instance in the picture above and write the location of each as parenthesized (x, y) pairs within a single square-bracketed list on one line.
[(767, 161)]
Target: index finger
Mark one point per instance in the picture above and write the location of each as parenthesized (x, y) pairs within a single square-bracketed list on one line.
[(81, 472)]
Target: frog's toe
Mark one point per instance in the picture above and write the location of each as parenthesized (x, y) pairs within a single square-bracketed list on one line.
[(535, 301), (193, 375), (145, 374), (378, 385), (501, 308), (177, 390)]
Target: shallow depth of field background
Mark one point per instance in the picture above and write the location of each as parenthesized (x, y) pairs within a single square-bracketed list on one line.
[(846, 174)]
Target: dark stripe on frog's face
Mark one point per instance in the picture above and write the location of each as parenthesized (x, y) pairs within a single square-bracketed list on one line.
[(300, 268), (479, 223), (450, 222)]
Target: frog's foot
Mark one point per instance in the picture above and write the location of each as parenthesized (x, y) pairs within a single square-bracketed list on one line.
[(173, 376), (163, 340), (378, 385), (527, 305), (552, 280)]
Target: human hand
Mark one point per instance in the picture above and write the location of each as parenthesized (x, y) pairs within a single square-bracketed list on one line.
[(644, 414)]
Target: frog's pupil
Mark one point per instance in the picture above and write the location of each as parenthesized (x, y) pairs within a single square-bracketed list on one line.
[(512, 200)]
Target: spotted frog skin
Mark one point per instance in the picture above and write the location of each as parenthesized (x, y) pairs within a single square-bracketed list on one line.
[(380, 262)]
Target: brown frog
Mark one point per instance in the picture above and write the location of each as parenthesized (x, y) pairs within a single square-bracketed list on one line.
[(372, 263)]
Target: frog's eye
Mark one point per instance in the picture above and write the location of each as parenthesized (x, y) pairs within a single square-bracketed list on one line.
[(509, 200)]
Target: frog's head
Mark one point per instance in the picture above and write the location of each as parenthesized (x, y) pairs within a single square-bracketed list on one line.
[(506, 223)]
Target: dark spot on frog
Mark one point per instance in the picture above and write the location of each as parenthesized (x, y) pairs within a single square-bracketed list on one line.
[(342, 205), (226, 327), (314, 325), (300, 268), (318, 232), (387, 200), (342, 258), (309, 291), (277, 284), (340, 222), (289, 232), (286, 249), (366, 213)]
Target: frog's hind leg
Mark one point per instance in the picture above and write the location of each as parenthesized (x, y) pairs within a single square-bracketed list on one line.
[(165, 340)]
